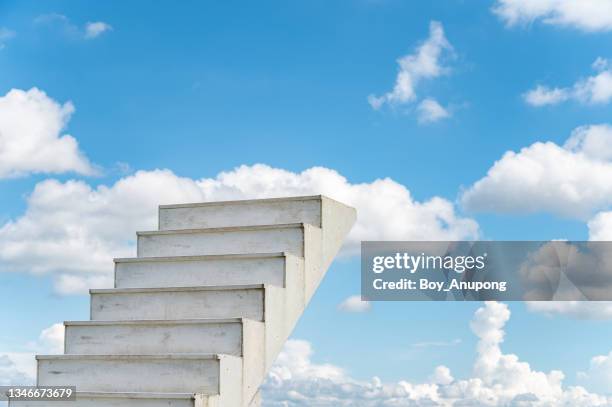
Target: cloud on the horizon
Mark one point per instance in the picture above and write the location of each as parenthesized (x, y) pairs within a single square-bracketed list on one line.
[(572, 180), (498, 379), (425, 63), (593, 90), (31, 139), (73, 230), (584, 15)]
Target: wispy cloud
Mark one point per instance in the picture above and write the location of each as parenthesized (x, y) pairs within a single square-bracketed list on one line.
[(89, 31), (424, 63)]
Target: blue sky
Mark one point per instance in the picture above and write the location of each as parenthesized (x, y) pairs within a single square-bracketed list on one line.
[(200, 88)]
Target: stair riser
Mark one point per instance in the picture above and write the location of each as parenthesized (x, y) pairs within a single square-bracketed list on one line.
[(241, 214), (191, 273), (122, 339), (149, 375), (288, 239), (176, 305)]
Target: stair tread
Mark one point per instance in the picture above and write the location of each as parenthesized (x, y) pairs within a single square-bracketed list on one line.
[(167, 356), (243, 202), (177, 289), (135, 395), (202, 257), (220, 229), (157, 321)]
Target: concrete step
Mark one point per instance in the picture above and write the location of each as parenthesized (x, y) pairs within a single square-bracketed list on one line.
[(219, 336), (190, 271), (102, 399), (305, 209), (216, 302), (193, 373), (230, 240)]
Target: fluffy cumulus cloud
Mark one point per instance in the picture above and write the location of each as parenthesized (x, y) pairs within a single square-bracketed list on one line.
[(499, 379), (572, 180), (31, 139), (595, 89), (424, 63), (600, 227), (584, 15), (73, 230), (599, 374), (95, 29), (354, 304)]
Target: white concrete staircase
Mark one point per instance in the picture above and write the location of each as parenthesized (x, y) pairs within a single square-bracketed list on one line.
[(198, 318)]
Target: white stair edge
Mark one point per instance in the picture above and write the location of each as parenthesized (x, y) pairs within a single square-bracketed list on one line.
[(243, 202), (157, 322), (200, 258), (177, 289), (222, 229)]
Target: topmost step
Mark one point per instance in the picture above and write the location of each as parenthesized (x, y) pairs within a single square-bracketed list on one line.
[(255, 212)]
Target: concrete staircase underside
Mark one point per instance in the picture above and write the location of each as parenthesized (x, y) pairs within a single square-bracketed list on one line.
[(197, 319)]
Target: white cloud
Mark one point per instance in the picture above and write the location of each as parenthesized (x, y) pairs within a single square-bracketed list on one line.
[(584, 15), (430, 111), (95, 29), (599, 375), (499, 379), (73, 230), (424, 63), (573, 180), (30, 136), (600, 227), (542, 96), (354, 304), (596, 89)]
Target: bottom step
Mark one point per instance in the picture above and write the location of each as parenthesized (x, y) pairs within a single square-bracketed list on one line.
[(96, 399)]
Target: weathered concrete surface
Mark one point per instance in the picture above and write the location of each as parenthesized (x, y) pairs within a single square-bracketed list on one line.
[(178, 303), (134, 373), (190, 271), (273, 211), (154, 337), (233, 240)]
